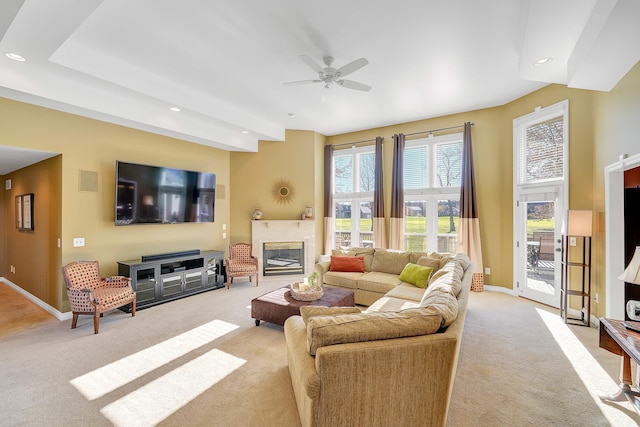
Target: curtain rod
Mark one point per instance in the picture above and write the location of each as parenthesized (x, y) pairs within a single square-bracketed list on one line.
[(408, 134), (354, 143), (436, 130)]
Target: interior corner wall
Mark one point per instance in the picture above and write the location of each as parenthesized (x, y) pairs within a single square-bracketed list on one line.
[(3, 233), (94, 146), (255, 178), (34, 254), (616, 134)]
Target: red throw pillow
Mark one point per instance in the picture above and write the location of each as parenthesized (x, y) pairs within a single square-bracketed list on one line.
[(347, 263)]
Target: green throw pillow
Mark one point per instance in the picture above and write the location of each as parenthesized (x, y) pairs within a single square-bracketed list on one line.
[(416, 275)]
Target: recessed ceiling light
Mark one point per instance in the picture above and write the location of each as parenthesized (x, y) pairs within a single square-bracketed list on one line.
[(543, 61), (14, 56), (292, 115), (246, 132), (174, 109)]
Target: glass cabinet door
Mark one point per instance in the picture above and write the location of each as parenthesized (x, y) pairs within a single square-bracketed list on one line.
[(171, 284), (193, 280), (145, 285)]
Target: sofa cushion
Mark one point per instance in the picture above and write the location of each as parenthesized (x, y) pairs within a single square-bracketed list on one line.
[(347, 263), (307, 311), (429, 262), (392, 303), (415, 256), (416, 274), (366, 253), (375, 281), (441, 303), (347, 328), (442, 257), (389, 261), (449, 282), (345, 280), (407, 292)]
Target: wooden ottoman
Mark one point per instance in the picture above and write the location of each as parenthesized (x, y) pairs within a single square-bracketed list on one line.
[(278, 305)]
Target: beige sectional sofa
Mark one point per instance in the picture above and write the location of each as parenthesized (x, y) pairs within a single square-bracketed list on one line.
[(382, 269), (392, 363)]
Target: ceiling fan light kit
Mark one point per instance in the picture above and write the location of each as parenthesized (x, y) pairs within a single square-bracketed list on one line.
[(329, 75)]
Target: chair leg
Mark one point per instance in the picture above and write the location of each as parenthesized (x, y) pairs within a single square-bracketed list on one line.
[(229, 281), (96, 322), (74, 320), (256, 279), (133, 308)]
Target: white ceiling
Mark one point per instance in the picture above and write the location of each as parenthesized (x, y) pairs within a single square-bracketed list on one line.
[(224, 62)]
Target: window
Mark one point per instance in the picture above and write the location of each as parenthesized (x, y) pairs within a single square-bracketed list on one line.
[(354, 180), (540, 146), (432, 176)]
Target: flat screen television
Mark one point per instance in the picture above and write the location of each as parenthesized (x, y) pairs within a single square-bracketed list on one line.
[(158, 195)]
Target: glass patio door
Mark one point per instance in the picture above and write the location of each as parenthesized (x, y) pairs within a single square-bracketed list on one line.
[(538, 247)]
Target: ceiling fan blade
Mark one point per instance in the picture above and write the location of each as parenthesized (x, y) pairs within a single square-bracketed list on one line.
[(350, 84), (311, 63), (302, 82), (351, 67)]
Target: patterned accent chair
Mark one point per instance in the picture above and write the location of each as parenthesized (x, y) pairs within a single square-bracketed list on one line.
[(90, 294), (241, 262)]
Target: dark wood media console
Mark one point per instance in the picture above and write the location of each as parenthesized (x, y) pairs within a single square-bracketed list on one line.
[(166, 278)]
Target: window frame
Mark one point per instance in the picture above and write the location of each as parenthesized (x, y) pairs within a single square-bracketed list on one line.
[(431, 194), (354, 197)]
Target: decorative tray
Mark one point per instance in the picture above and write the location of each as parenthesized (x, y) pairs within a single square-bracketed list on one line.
[(305, 295)]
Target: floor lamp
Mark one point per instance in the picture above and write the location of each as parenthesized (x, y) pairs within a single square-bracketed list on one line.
[(579, 224)]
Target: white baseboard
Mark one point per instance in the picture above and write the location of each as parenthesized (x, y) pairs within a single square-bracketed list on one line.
[(594, 321), (57, 314), (500, 289)]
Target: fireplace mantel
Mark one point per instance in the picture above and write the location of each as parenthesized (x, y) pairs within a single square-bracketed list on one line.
[(284, 231)]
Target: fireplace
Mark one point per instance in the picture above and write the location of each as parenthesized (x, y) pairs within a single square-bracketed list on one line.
[(283, 258), (279, 231)]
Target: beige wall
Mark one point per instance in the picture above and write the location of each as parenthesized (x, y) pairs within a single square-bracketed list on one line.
[(91, 145), (615, 131), (601, 127), (298, 161), (34, 254)]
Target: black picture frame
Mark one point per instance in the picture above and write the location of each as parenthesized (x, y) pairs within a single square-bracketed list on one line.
[(24, 212)]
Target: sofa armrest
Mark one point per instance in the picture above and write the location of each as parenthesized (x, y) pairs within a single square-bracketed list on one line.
[(301, 363), (373, 382), (321, 268)]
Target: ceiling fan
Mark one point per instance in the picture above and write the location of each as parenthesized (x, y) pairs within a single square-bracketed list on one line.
[(329, 75)]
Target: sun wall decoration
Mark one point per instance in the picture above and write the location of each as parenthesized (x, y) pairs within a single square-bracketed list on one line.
[(283, 192)]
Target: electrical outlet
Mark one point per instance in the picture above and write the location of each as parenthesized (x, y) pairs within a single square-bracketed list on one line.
[(13, 269), (596, 297), (487, 271), (78, 242), (224, 226), (572, 241), (224, 235)]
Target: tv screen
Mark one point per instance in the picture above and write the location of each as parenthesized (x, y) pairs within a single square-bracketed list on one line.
[(158, 195)]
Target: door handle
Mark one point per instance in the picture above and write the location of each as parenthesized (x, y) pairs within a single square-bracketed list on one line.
[(558, 249)]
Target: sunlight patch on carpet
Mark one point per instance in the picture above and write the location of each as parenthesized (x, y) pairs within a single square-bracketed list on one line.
[(107, 378), (594, 377), (155, 401)]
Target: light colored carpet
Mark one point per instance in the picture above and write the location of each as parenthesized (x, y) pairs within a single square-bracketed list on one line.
[(201, 361)]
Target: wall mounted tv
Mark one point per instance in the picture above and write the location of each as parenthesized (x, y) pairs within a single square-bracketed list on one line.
[(157, 195)]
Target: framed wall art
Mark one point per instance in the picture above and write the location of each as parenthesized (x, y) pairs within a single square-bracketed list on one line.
[(24, 212)]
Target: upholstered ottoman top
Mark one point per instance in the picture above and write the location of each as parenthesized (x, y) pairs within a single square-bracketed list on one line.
[(278, 305)]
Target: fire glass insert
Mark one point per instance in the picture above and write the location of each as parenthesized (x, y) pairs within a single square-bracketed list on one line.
[(283, 258)]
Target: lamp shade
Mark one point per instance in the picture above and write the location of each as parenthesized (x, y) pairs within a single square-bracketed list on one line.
[(632, 273), (579, 223)]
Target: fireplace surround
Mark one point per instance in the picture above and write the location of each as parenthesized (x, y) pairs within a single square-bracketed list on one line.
[(284, 231)]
